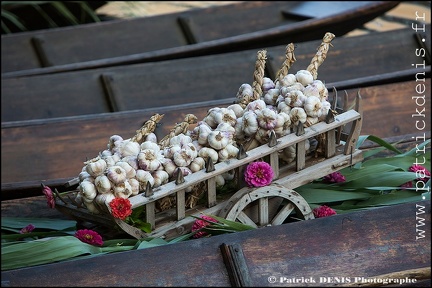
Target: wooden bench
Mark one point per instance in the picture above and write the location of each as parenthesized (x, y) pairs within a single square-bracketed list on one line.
[(205, 78), (227, 28)]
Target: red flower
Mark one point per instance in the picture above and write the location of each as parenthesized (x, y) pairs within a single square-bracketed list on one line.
[(89, 236), (335, 177), (420, 171), (199, 224), (29, 228), (120, 208), (49, 196), (258, 174), (323, 211)]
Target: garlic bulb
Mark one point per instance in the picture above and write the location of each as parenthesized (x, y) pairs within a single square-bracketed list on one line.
[(122, 190), (129, 147), (149, 145), (237, 108), (143, 178), (250, 123), (266, 118), (116, 174), (103, 184), (135, 185), (271, 96), (160, 177), (96, 168), (130, 171), (148, 159), (207, 152), (225, 115), (304, 77), (313, 106), (184, 157), (197, 164), (297, 115), (217, 140), (169, 166), (295, 98), (88, 191)]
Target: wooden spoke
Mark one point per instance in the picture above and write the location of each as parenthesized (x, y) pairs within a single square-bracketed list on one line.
[(270, 205)]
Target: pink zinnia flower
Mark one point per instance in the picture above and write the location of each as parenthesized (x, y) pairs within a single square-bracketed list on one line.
[(323, 211), (29, 228), (49, 196), (258, 174), (199, 224), (420, 171), (89, 236), (121, 208), (335, 177)]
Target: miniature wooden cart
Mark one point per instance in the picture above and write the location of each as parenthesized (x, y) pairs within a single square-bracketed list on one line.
[(269, 205), (258, 207)]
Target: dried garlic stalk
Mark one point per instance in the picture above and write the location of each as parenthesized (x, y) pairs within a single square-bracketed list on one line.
[(179, 128), (148, 127), (259, 74), (193, 196), (289, 60), (321, 55)]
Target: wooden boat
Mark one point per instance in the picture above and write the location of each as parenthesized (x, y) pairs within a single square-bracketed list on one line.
[(203, 78), (26, 164), (252, 25), (372, 245)]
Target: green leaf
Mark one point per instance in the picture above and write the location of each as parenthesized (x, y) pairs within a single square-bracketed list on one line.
[(322, 196), (64, 11), (377, 140), (152, 243), (48, 250), (39, 223)]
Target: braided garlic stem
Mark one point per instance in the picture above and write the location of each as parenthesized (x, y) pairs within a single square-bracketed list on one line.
[(321, 55), (148, 127), (259, 74), (289, 60), (179, 128)]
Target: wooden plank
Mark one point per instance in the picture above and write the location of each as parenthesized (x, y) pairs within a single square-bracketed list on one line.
[(36, 206), (64, 143), (200, 78), (358, 244), (197, 79), (307, 30)]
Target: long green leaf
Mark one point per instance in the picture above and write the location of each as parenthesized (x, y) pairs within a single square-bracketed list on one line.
[(379, 141), (49, 250), (39, 223), (14, 19), (64, 11)]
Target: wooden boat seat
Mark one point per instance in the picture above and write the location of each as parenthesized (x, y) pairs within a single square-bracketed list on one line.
[(261, 22), (53, 150), (190, 80)]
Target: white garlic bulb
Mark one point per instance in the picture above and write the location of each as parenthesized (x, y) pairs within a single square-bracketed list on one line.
[(96, 168), (148, 159), (103, 184), (313, 106), (116, 174), (217, 140), (304, 77)]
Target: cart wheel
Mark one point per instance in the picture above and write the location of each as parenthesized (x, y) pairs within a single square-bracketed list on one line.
[(269, 205)]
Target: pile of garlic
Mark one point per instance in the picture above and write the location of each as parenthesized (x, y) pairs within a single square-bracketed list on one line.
[(128, 166)]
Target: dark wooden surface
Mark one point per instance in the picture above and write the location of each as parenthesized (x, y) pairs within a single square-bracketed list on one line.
[(197, 79), (51, 149), (270, 27), (357, 244)]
